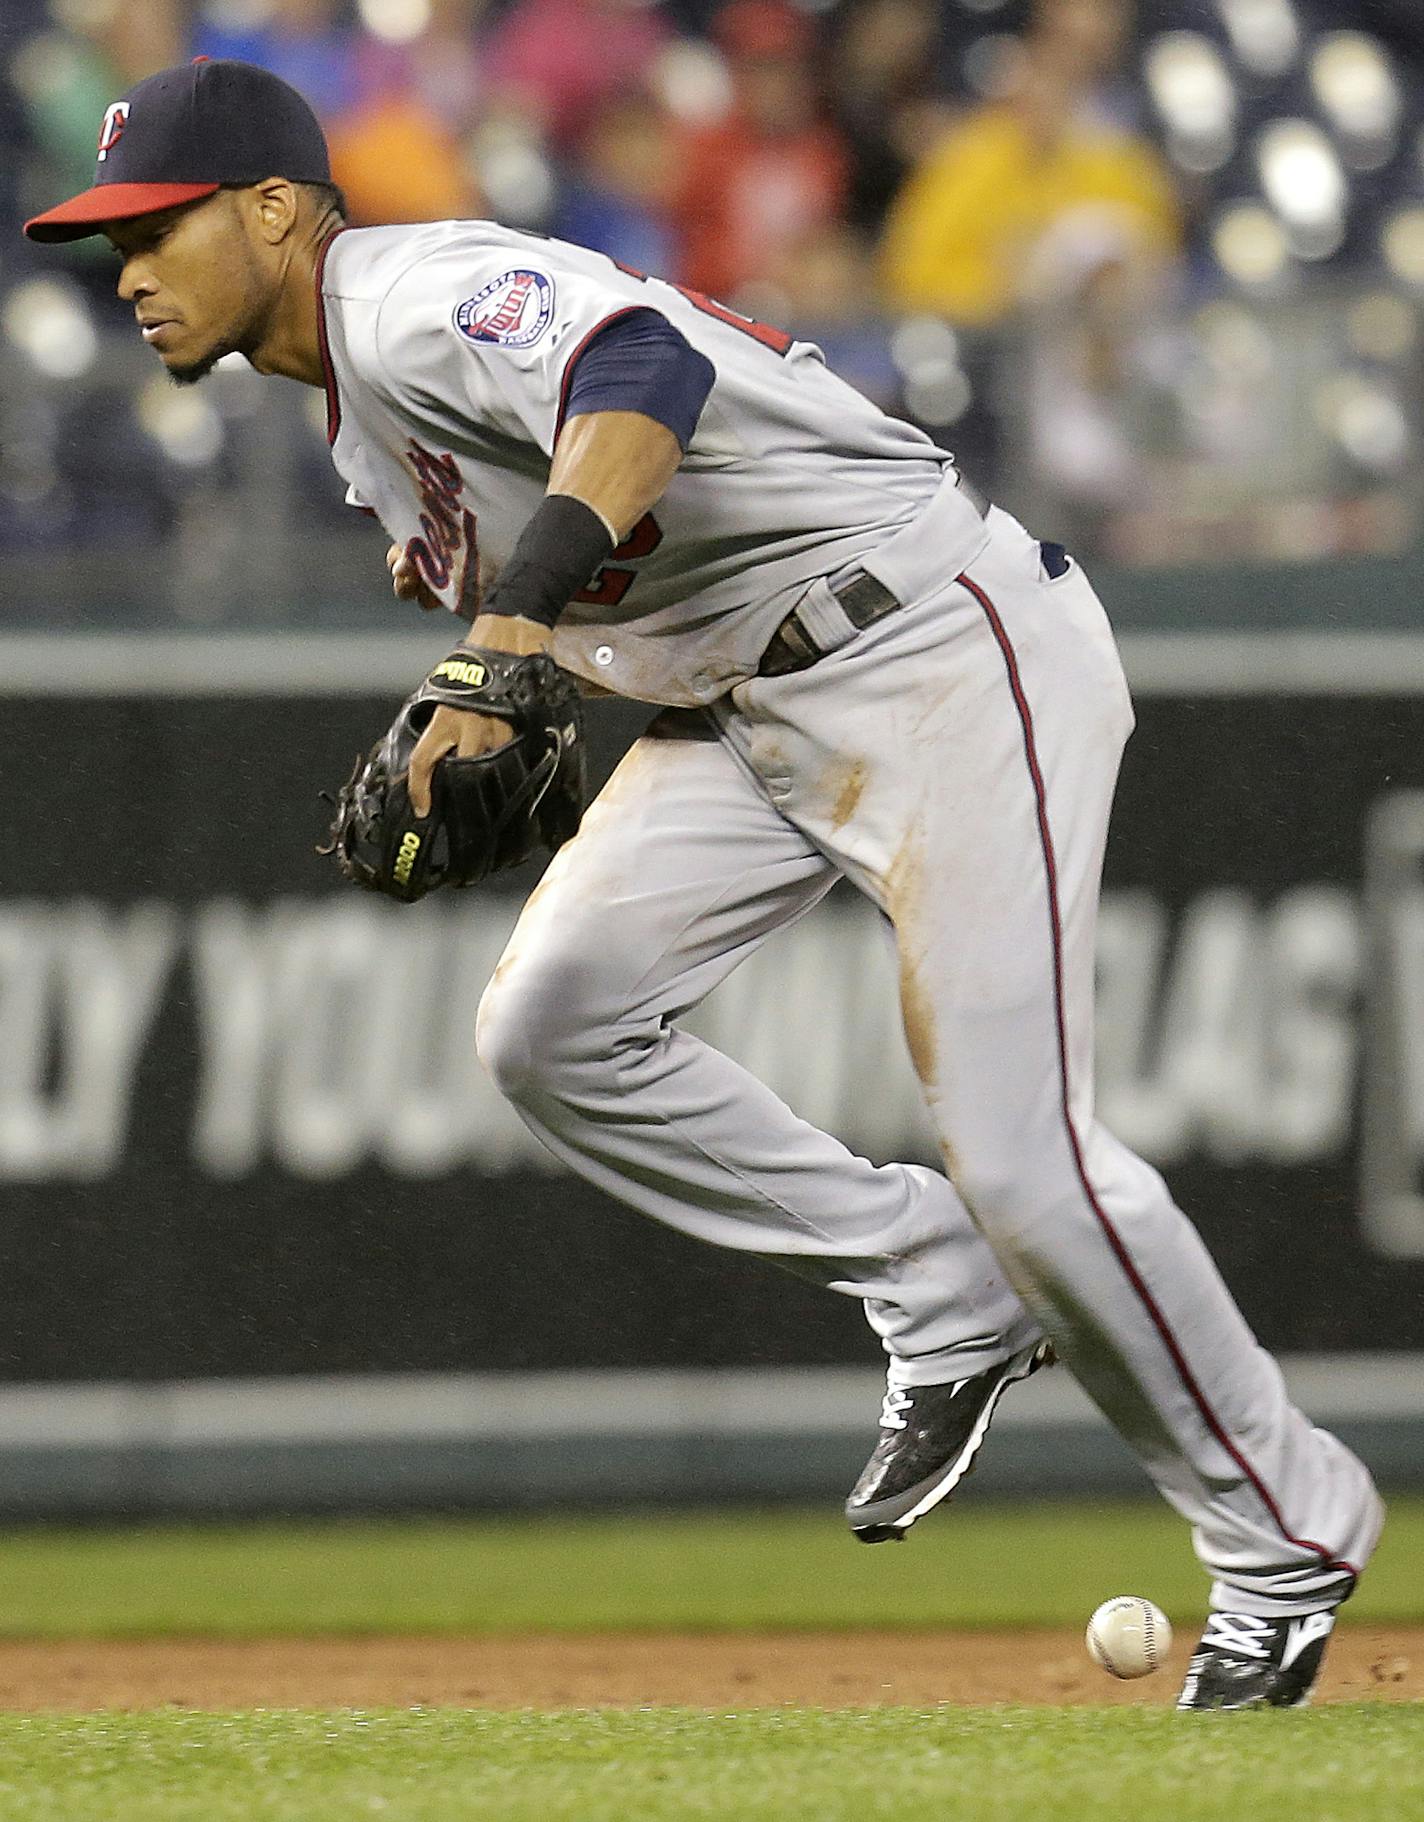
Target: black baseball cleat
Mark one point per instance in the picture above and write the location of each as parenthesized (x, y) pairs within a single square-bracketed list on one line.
[(929, 1436), (1244, 1661)]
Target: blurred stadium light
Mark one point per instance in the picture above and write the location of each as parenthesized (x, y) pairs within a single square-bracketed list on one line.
[(1402, 243), (1265, 34), (1250, 245), (48, 320), (185, 425), (1366, 419), (1382, 327), (927, 353), (514, 174), (1357, 89), (1305, 183), (1192, 90), (395, 21), (692, 82)]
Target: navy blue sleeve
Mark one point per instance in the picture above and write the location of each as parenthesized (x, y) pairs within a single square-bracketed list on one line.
[(639, 362)]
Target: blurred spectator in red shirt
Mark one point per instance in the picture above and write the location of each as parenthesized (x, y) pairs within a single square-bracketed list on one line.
[(617, 198), (557, 60), (774, 168)]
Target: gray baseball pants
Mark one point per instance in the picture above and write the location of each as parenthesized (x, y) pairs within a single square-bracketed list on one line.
[(956, 762)]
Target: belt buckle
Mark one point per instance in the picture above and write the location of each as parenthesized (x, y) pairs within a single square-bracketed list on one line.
[(863, 599), (787, 650)]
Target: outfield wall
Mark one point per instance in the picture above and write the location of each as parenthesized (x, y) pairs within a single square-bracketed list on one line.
[(269, 1238), (521, 1441)]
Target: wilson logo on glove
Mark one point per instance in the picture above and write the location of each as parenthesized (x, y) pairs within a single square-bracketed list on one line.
[(405, 857), (486, 813), (462, 670)]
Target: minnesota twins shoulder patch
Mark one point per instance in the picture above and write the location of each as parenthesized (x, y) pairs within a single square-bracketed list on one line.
[(511, 311)]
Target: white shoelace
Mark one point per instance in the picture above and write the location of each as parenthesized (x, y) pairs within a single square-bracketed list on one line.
[(897, 1400), (1242, 1634)]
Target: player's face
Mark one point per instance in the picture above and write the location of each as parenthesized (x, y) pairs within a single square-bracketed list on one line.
[(192, 278)]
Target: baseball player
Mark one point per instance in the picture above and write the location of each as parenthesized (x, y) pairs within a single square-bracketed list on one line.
[(867, 671)]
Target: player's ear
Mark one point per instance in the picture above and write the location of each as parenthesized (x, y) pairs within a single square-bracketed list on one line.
[(274, 203)]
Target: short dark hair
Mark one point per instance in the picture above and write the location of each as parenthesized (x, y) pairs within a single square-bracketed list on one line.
[(324, 196), (327, 196)]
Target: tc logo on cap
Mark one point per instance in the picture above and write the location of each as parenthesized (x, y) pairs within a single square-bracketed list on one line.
[(112, 130)]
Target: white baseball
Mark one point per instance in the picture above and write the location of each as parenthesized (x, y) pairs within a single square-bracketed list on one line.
[(1129, 1636)]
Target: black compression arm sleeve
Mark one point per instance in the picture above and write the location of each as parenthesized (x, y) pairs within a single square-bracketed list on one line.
[(558, 553)]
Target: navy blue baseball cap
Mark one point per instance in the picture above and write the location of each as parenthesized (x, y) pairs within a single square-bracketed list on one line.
[(182, 135)]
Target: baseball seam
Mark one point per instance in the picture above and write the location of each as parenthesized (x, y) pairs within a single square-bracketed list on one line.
[(1105, 1658)]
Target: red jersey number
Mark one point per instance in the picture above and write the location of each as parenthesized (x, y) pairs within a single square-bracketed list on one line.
[(610, 585), (612, 582), (776, 339)]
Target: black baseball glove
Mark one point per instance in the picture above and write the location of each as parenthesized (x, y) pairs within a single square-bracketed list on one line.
[(486, 814)]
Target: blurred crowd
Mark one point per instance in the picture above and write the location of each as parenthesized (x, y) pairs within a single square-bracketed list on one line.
[(955, 198), (886, 154)]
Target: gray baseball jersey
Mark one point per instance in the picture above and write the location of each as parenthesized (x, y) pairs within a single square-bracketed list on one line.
[(449, 349)]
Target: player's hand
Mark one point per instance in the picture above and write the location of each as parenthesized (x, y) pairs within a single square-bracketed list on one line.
[(406, 583), (459, 732)]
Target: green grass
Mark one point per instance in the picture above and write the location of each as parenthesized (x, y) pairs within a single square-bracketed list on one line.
[(973, 1566), (670, 1765)]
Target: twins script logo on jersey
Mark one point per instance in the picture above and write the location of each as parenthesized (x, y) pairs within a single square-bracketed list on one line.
[(112, 130), (446, 554), (512, 311)]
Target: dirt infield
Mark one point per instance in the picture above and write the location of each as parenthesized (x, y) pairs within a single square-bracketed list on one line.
[(621, 1670)]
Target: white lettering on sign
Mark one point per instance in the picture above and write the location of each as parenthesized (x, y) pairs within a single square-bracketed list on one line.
[(333, 1034), (80, 986), (1392, 1112), (336, 1034), (1312, 1013), (234, 985), (1238, 1040)]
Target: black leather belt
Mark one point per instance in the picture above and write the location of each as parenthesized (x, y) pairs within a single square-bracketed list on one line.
[(863, 599)]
